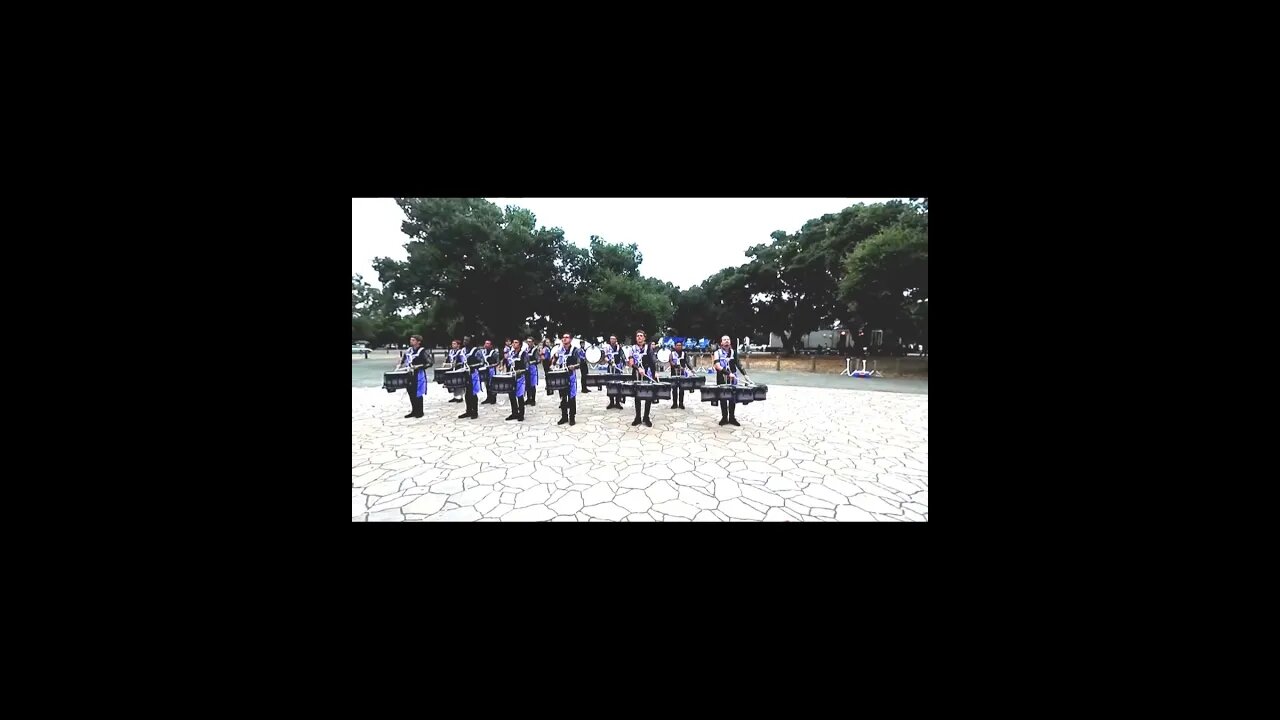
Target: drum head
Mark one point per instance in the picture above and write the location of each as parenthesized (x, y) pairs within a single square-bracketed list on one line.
[(593, 355), (664, 355)]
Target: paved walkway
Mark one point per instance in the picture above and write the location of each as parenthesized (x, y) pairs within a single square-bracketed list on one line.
[(805, 454)]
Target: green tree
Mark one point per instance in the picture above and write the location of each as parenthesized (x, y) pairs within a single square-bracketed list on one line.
[(474, 269), (887, 279), (795, 279), (363, 297)]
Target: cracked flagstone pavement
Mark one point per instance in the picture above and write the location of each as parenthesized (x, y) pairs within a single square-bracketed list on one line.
[(803, 455)]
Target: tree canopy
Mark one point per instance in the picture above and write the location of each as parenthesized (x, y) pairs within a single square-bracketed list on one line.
[(475, 269)]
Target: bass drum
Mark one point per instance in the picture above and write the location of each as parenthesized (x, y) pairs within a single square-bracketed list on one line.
[(594, 355), (664, 356)]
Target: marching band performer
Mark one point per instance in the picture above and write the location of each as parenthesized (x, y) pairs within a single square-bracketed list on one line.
[(546, 361), (679, 367), (456, 359), (491, 359), (726, 369), (474, 359), (616, 356), (517, 359), (531, 383), (586, 367), (416, 358), (567, 357), (641, 361)]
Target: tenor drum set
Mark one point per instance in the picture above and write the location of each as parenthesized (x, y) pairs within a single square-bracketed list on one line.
[(505, 382), (397, 380), (743, 393), (640, 389), (558, 380)]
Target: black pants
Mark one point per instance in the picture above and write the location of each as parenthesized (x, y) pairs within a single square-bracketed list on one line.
[(721, 378), (677, 396), (647, 404), (726, 410), (568, 405), (614, 400), (473, 400), (517, 405), (530, 392), (583, 378), (414, 400), (490, 396)]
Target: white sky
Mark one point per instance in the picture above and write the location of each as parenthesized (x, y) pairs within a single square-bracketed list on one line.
[(683, 240)]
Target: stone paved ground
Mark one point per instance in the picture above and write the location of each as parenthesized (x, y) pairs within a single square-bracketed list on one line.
[(805, 454)]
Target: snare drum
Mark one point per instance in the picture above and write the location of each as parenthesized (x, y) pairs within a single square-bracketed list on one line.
[(558, 379), (712, 393), (504, 382), (601, 380), (641, 390), (691, 382), (440, 375), (397, 380), (456, 379)]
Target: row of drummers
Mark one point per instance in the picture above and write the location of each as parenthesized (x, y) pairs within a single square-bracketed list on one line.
[(517, 375)]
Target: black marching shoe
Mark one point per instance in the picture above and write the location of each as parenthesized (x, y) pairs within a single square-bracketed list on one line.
[(647, 423), (409, 415)]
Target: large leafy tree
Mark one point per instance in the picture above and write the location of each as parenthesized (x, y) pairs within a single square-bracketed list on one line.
[(887, 280), (475, 269), (795, 280)]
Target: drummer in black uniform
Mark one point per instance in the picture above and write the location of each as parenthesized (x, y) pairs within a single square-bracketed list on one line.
[(416, 358), (641, 361), (456, 360), (585, 367), (546, 361), (474, 359), (679, 368), (726, 372), (567, 357), (616, 356), (531, 382), (491, 358), (517, 359)]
